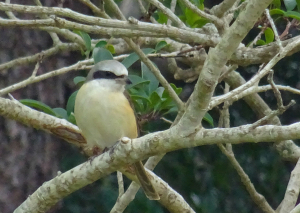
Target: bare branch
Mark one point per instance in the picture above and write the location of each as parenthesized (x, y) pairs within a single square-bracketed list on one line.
[(60, 127), (151, 30), (217, 58), (95, 9), (34, 79), (260, 74), (286, 148), (172, 8), (120, 183), (44, 54), (271, 115), (168, 13), (275, 90), (255, 196), (277, 39), (292, 190), (220, 9), (263, 29)]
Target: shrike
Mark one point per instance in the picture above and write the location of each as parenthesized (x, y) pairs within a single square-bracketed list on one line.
[(104, 115)]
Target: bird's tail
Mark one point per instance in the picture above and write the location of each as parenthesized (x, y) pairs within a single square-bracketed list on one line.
[(146, 184)]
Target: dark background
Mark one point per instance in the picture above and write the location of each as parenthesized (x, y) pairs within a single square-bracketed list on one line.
[(202, 175)]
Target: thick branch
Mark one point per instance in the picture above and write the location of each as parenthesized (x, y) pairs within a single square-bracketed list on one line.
[(134, 30), (216, 60), (292, 190), (60, 127)]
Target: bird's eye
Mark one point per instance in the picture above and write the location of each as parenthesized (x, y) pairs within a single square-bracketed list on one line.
[(109, 74), (104, 74)]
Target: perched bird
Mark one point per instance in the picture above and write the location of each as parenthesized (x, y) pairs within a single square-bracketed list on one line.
[(104, 115)]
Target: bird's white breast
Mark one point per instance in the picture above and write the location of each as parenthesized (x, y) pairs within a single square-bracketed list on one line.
[(104, 115)]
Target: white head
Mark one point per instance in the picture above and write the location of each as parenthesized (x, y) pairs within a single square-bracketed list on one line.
[(110, 74)]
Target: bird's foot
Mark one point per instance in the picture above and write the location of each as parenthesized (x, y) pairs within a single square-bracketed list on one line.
[(96, 152)]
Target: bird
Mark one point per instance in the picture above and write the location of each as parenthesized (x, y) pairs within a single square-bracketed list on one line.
[(104, 115)]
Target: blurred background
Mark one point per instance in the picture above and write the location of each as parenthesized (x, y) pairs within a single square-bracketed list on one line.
[(202, 175)]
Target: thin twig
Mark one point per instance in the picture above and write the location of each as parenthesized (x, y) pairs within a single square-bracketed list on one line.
[(277, 38), (95, 9), (263, 29), (166, 120), (33, 78), (229, 69), (259, 199), (120, 183), (257, 89), (255, 79), (168, 13), (290, 24), (172, 8), (271, 115), (44, 54), (54, 36), (224, 121), (275, 89)]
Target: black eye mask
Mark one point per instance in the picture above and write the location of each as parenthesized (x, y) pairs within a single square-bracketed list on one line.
[(106, 75)]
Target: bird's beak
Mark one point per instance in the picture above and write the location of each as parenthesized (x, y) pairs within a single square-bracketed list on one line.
[(127, 80)]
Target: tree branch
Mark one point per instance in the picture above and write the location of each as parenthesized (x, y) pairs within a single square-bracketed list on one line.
[(217, 58)]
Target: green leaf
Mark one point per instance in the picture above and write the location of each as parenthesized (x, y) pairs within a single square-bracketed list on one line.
[(101, 54), (61, 113), (200, 23), (168, 102), (160, 91), (38, 105), (160, 45), (199, 3), (191, 17), (148, 75), (86, 38), (155, 100), (209, 119), (111, 48), (72, 119), (293, 14), (136, 81), (298, 5), (172, 110), (181, 5), (135, 97), (71, 103), (176, 89), (260, 42), (162, 18), (269, 35), (277, 3), (133, 57), (138, 105), (290, 4), (140, 98), (79, 80), (101, 44), (277, 12), (201, 6)]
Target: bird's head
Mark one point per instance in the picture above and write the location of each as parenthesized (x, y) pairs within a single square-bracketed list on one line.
[(109, 73)]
